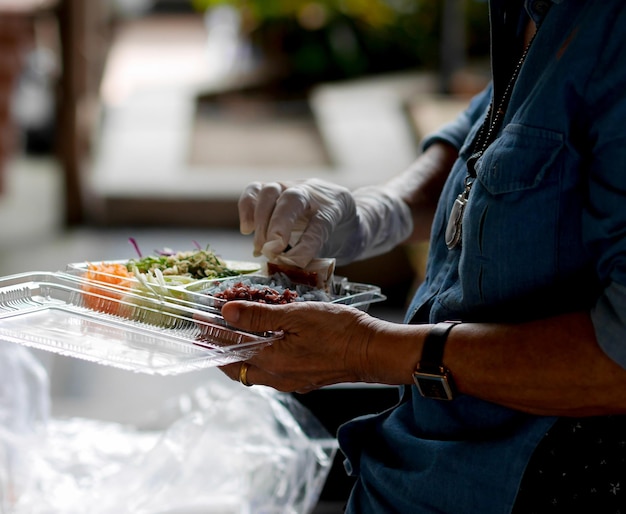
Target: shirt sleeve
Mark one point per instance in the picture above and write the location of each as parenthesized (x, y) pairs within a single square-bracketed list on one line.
[(604, 219), (609, 321), (456, 132)]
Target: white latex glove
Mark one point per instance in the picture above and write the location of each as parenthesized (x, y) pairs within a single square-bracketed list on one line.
[(294, 222)]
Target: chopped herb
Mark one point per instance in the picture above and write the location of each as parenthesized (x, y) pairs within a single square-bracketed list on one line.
[(196, 264)]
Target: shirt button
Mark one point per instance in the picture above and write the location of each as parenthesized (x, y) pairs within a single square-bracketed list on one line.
[(540, 6)]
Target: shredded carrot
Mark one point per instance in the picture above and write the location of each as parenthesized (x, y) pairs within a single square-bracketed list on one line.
[(106, 274)]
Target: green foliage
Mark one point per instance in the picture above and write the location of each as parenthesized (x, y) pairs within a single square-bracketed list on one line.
[(328, 39), (374, 12)]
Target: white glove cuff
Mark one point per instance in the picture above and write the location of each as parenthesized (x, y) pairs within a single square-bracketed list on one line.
[(383, 221)]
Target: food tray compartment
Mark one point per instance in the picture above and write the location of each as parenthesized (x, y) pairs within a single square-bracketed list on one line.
[(197, 293), (54, 312), (172, 290), (341, 291)]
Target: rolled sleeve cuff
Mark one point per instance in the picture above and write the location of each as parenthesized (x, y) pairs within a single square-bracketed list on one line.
[(456, 131), (609, 321), (453, 133)]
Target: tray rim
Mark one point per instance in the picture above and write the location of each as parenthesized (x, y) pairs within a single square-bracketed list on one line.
[(208, 353), (374, 292)]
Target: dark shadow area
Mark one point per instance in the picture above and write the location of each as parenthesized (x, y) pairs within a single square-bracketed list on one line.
[(335, 406)]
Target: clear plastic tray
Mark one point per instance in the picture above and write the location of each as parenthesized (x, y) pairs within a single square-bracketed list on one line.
[(341, 291), (197, 293), (62, 314)]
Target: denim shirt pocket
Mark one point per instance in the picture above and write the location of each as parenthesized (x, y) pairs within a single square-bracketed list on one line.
[(519, 160), (511, 223)]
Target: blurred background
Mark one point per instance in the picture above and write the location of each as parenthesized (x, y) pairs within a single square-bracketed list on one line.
[(146, 118), (154, 114)]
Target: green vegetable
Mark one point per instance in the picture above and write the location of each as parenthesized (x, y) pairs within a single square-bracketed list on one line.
[(195, 264)]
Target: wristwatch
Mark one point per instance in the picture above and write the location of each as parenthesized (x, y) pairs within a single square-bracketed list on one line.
[(431, 377)]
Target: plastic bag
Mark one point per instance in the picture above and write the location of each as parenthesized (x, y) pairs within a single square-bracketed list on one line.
[(222, 449), (24, 412)]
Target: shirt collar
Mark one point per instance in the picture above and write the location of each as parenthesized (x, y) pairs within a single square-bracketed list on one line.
[(537, 9)]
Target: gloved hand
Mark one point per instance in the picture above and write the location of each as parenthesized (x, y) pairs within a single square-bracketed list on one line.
[(294, 222)]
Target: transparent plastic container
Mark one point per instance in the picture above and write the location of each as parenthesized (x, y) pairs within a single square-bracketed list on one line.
[(62, 314), (198, 294), (341, 291)]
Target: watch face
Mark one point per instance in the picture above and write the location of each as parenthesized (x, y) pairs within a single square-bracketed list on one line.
[(433, 386)]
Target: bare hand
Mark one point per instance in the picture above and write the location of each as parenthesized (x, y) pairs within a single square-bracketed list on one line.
[(323, 344)]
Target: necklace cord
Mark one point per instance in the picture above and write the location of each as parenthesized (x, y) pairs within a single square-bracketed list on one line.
[(485, 136), (492, 122)]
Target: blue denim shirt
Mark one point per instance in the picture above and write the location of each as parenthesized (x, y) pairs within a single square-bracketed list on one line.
[(544, 232)]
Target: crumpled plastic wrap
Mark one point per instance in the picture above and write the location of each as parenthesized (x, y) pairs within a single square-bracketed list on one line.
[(24, 410), (222, 449)]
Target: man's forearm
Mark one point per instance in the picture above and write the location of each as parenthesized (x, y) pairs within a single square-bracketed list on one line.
[(421, 184), (546, 367), (552, 366)]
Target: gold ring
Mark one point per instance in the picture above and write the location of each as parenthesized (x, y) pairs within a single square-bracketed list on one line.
[(243, 374)]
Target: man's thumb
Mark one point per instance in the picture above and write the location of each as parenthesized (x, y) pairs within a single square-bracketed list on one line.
[(251, 316)]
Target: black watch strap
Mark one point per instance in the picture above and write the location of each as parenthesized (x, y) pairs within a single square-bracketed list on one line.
[(431, 377), (434, 344)]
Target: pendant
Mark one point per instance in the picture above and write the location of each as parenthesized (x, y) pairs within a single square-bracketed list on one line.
[(455, 222)]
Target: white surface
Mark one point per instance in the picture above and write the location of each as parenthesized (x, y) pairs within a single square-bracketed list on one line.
[(144, 143), (157, 68), (30, 204)]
